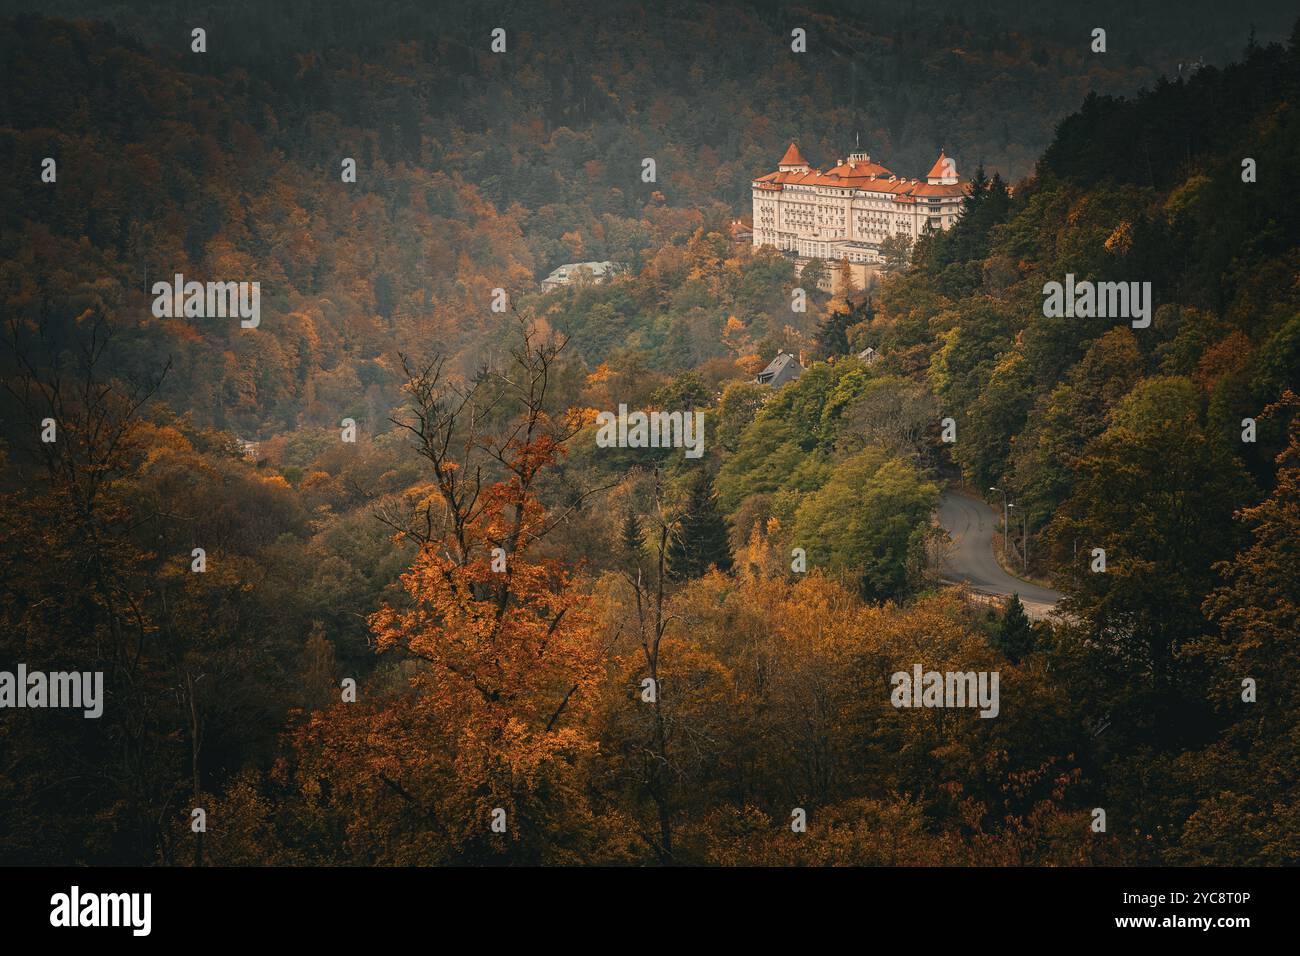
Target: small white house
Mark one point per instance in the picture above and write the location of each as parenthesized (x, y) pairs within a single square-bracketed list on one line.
[(580, 273)]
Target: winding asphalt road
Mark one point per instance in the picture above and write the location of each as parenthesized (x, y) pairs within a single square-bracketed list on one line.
[(970, 523)]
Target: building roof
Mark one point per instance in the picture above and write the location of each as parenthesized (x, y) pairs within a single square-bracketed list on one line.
[(597, 269), (854, 169), (941, 189), (860, 174), (782, 361), (793, 157), (940, 169)]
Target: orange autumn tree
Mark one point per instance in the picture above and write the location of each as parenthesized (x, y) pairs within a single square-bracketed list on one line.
[(496, 645)]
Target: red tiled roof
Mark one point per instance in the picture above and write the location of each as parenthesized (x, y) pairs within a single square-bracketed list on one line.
[(944, 189), (793, 157), (939, 169), (869, 177), (853, 170)]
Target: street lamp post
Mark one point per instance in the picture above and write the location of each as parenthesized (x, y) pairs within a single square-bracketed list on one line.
[(1024, 540), (1022, 518), (1005, 527)]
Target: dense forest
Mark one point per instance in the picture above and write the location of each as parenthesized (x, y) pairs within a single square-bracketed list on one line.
[(477, 170), (458, 613)]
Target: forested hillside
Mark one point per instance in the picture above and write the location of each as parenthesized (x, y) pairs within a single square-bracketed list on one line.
[(358, 651), (475, 170)]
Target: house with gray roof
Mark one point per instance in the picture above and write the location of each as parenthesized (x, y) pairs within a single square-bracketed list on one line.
[(784, 368)]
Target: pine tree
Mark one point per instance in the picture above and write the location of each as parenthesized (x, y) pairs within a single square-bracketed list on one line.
[(632, 539), (701, 540), (832, 334), (1015, 636), (833, 331), (979, 185)]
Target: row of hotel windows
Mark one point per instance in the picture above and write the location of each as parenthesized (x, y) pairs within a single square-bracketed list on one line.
[(883, 197), (807, 215), (773, 237), (820, 250), (862, 226)]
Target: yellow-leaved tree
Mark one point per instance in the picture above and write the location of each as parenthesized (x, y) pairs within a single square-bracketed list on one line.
[(476, 754)]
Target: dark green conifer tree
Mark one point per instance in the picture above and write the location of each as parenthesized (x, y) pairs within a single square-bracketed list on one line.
[(1015, 636), (631, 539), (700, 540)]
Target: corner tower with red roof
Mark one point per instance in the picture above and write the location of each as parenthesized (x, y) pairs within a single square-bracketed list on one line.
[(943, 172), (792, 161)]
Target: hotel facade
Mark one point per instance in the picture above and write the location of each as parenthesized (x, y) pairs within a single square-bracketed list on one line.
[(845, 213)]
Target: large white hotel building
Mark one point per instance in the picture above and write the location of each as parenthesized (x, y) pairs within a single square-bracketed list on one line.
[(847, 211)]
